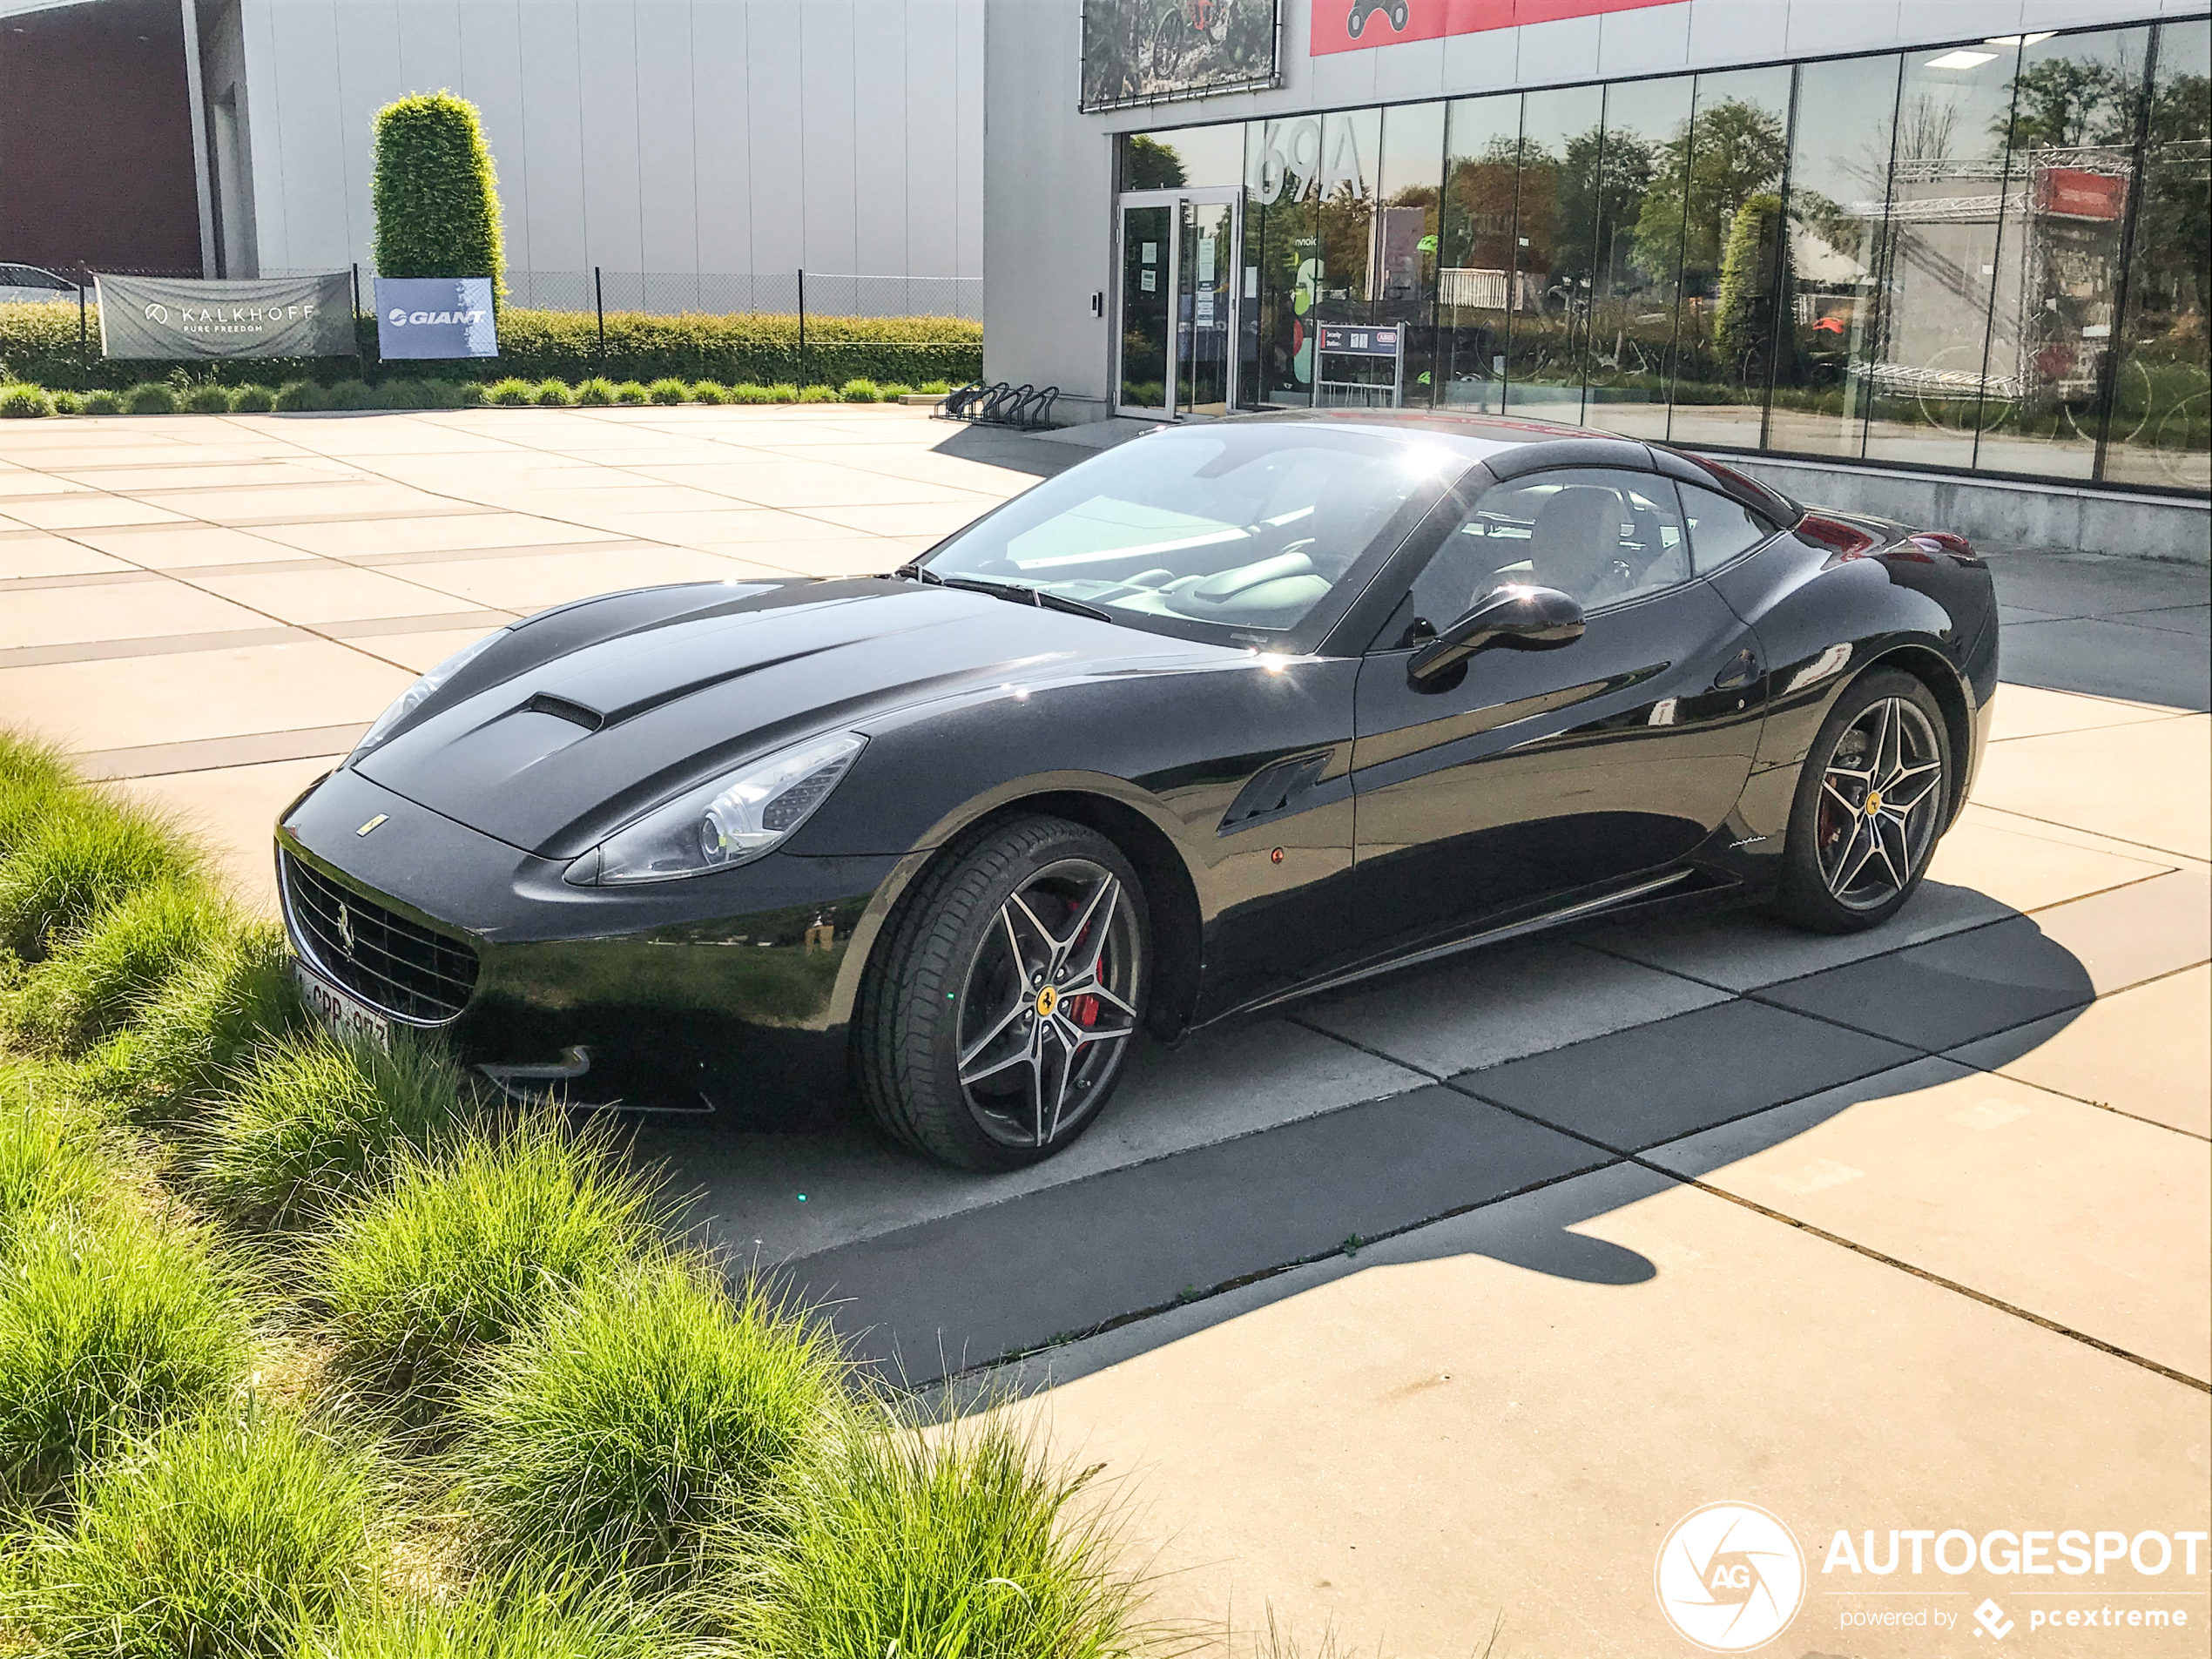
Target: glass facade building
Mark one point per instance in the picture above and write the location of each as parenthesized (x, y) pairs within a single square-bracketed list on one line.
[(1987, 259)]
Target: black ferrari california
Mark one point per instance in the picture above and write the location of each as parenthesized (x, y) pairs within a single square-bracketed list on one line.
[(1232, 713)]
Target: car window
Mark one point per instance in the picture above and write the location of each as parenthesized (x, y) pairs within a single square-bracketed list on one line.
[(1719, 528), (1601, 535), (1231, 531)]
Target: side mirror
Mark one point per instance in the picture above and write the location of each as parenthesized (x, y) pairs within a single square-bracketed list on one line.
[(1523, 617)]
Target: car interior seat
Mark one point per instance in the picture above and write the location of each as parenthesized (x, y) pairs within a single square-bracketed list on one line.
[(1576, 540)]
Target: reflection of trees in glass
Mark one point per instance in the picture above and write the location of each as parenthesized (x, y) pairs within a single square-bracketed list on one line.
[(1744, 321), (2177, 212), (1479, 209), (1150, 165), (2061, 103), (1738, 154), (1135, 50)]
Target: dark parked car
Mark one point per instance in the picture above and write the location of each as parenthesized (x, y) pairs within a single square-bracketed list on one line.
[(1229, 714)]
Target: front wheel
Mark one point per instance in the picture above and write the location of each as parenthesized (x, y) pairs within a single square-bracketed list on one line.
[(1871, 804), (999, 1017)]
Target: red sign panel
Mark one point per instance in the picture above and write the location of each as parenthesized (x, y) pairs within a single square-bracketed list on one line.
[(2070, 193), (1354, 25)]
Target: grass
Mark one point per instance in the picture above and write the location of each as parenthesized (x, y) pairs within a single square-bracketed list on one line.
[(554, 394), (21, 402), (252, 400), (51, 1172), (619, 1433), (110, 965), (670, 390), (460, 1250), (597, 392), (503, 1620), (963, 1540), (103, 1334), (208, 398), (85, 851), (204, 1020), (103, 403), (511, 394), (709, 392), (633, 392), (234, 1533), (150, 398), (296, 396), (306, 1122), (861, 391)]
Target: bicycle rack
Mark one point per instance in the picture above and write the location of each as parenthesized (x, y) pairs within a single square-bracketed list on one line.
[(1003, 403)]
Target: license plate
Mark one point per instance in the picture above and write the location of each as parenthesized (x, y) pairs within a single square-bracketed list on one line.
[(346, 1017)]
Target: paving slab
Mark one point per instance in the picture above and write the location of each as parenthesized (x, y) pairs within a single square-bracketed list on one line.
[(168, 546), (2147, 784), (234, 809), (1493, 1005), (2094, 1220), (2146, 1051), (2139, 932), (535, 581), (1937, 995), (37, 553), (2023, 867), (452, 533), (134, 609), (1504, 1413), (83, 509), (2115, 657), (932, 1299), (334, 593), (2033, 712)]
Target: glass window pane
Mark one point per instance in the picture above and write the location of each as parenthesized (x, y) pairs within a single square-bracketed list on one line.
[(1198, 157), (1635, 279), (2076, 104), (1282, 259), (1839, 170), (1351, 146), (1561, 145), (1726, 208), (2161, 417), (1147, 241), (1941, 247), (1475, 282), (1401, 261), (1719, 529)]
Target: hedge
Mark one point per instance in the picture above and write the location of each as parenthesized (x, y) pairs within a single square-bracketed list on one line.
[(38, 344), (434, 192)]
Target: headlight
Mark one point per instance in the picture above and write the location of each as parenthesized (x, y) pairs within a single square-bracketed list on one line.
[(419, 693), (730, 821)]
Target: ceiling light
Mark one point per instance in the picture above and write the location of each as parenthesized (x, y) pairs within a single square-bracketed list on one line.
[(2019, 40), (1960, 59)]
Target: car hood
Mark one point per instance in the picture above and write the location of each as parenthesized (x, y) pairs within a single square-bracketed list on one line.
[(584, 717)]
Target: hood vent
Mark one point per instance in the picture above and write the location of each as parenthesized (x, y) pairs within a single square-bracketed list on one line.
[(560, 709)]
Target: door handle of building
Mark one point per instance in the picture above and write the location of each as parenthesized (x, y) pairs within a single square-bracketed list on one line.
[(1739, 673)]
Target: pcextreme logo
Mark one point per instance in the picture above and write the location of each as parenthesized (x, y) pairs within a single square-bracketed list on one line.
[(1731, 1577)]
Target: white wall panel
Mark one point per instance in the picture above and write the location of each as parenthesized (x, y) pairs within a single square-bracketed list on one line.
[(311, 171), (968, 91), (553, 135), (429, 38), (606, 45), (1650, 40), (934, 126), (827, 155), (491, 77), (775, 95), (667, 178), (721, 138), (880, 135), (368, 79)]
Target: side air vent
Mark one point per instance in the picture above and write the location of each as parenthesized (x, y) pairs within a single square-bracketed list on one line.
[(1275, 789), (560, 709)]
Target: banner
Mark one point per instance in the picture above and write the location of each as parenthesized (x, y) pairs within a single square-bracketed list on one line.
[(1356, 25), (1145, 51), (184, 317), (435, 317)]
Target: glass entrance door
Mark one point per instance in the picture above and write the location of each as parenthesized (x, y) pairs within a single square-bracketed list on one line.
[(1175, 349)]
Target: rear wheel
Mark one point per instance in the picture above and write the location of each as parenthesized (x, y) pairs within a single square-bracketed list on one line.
[(1870, 807), (998, 1018)]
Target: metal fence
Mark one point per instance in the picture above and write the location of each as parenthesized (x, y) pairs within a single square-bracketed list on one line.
[(670, 293)]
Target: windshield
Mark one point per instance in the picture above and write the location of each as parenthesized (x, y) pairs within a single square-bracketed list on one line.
[(1227, 531)]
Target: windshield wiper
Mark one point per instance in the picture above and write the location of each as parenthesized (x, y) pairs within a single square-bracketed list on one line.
[(1018, 592), (917, 572)]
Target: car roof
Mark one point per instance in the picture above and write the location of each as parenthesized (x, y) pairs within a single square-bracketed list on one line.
[(1485, 430)]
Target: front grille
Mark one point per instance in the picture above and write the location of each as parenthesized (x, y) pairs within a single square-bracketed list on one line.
[(387, 961)]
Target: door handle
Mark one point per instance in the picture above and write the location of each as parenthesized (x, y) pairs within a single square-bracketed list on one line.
[(1740, 672)]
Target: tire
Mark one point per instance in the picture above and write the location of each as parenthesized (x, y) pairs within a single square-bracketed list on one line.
[(1355, 22), (1854, 856), (968, 972)]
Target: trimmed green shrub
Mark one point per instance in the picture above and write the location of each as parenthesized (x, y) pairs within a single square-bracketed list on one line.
[(150, 398), (208, 399), (894, 392), (108, 966), (960, 1542), (67, 402), (632, 392), (751, 394), (434, 192), (670, 390), (51, 1172), (105, 1334), (203, 1021), (709, 392), (301, 396), (554, 394), (469, 395), (103, 403), (252, 400), (85, 851), (861, 391), (819, 394), (617, 1433), (511, 394), (597, 392), (308, 1123), (234, 1536), (21, 402), (404, 395), (461, 1249), (937, 388), (350, 394)]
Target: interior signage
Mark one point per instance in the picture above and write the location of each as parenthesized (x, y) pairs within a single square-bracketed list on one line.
[(1355, 25)]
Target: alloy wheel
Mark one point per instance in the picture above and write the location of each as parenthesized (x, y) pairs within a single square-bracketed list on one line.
[(1880, 796), (1049, 1004)]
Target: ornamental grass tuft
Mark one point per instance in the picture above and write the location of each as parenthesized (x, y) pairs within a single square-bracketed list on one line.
[(597, 392), (963, 1540), (462, 1247), (24, 402), (106, 1332), (51, 1172), (107, 968), (616, 1435), (633, 392), (553, 395), (505, 1620), (204, 1018), (861, 391), (252, 400), (308, 1123), (103, 403), (709, 392), (236, 1534), (208, 398), (295, 397), (670, 390), (84, 852), (151, 397)]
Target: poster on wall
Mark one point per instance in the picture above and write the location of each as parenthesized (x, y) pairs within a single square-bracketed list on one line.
[(424, 317), (184, 317), (1148, 51), (1357, 25)]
